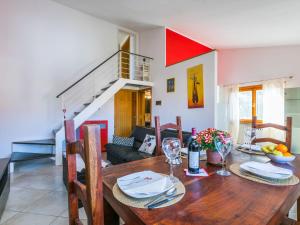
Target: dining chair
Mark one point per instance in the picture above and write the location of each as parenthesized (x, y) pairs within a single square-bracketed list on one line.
[(288, 140), (91, 193), (159, 128), (287, 128)]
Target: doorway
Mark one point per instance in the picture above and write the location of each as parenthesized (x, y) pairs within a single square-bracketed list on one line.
[(132, 108), (125, 58)]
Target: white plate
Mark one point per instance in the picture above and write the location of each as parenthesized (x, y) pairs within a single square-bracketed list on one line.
[(256, 148), (144, 184), (266, 170)]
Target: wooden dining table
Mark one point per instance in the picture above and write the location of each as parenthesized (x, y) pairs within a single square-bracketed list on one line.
[(208, 200)]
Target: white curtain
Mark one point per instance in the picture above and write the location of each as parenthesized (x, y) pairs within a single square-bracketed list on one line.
[(233, 107), (273, 106)]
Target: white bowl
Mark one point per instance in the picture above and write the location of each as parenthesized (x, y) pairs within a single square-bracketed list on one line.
[(281, 159)]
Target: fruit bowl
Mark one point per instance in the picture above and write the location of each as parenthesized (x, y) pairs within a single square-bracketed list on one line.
[(281, 159)]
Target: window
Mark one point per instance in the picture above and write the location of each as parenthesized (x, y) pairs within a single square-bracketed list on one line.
[(251, 102)]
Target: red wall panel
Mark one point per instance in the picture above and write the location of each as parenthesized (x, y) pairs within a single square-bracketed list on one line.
[(180, 48)]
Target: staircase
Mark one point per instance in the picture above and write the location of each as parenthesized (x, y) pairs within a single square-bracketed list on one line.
[(88, 94)]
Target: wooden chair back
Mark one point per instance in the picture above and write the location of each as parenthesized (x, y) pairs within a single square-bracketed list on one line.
[(287, 128), (91, 193), (159, 128)]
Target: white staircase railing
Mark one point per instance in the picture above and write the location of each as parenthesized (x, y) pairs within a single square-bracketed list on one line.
[(84, 97)]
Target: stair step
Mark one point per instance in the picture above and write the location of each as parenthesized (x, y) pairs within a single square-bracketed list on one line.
[(114, 81), (96, 96), (36, 142), (104, 89), (24, 156), (76, 113), (86, 104)]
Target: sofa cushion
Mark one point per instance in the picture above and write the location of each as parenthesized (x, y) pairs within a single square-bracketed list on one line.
[(125, 141), (139, 133), (148, 145)]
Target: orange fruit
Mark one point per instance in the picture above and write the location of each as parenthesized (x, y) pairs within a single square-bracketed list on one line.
[(287, 154), (282, 148)]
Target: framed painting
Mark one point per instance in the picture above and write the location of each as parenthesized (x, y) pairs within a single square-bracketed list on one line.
[(171, 85), (195, 87)]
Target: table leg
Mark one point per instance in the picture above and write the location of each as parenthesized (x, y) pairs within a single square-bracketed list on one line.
[(298, 209), (110, 216)]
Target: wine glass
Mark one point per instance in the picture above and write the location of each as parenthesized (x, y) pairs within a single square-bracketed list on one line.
[(223, 147), (171, 148), (250, 136)]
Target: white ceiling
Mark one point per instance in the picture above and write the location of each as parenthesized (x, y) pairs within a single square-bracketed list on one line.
[(217, 23)]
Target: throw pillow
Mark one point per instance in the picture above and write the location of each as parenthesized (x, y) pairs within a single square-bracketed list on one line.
[(125, 141), (148, 145)]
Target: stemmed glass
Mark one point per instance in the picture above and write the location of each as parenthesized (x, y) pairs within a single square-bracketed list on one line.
[(250, 136), (223, 147), (171, 148)]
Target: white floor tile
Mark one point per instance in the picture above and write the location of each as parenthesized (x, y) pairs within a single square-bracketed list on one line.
[(52, 204), (65, 221), (82, 214), (29, 219), (293, 216), (7, 214), (20, 198)]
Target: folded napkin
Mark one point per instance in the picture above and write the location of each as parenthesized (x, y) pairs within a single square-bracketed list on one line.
[(253, 147), (144, 183)]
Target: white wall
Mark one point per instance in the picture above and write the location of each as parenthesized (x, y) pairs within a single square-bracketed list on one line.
[(44, 47), (251, 64), (152, 43), (255, 64)]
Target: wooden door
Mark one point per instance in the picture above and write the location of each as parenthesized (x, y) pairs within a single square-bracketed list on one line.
[(130, 110), (125, 58), (125, 112), (141, 108)]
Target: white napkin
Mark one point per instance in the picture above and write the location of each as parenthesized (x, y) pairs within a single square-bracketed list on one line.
[(253, 147), (144, 183)]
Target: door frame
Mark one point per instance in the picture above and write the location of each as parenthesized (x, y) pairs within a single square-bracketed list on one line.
[(134, 46)]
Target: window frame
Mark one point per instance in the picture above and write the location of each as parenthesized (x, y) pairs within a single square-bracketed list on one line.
[(253, 89)]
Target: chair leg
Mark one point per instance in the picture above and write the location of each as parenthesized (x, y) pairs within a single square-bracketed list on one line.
[(110, 216), (298, 209)]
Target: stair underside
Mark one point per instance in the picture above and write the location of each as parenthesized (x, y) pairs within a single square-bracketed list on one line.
[(36, 142), (25, 156)]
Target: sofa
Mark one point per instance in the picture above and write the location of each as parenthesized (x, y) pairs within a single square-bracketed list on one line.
[(117, 154)]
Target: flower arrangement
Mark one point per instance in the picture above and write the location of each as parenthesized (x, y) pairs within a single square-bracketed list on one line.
[(206, 138)]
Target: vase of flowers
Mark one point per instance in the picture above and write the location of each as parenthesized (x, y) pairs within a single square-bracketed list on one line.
[(206, 139)]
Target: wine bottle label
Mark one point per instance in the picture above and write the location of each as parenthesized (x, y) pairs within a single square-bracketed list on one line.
[(193, 160)]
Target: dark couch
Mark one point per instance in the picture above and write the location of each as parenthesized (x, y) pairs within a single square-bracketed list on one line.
[(117, 154)]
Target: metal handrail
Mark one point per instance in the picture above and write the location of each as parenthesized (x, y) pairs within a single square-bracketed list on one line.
[(96, 67)]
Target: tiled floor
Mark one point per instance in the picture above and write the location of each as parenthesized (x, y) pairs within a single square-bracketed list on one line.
[(38, 195)]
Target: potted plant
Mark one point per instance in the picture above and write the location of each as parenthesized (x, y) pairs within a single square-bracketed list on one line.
[(206, 139)]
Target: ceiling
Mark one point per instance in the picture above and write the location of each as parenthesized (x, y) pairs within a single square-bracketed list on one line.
[(218, 23)]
